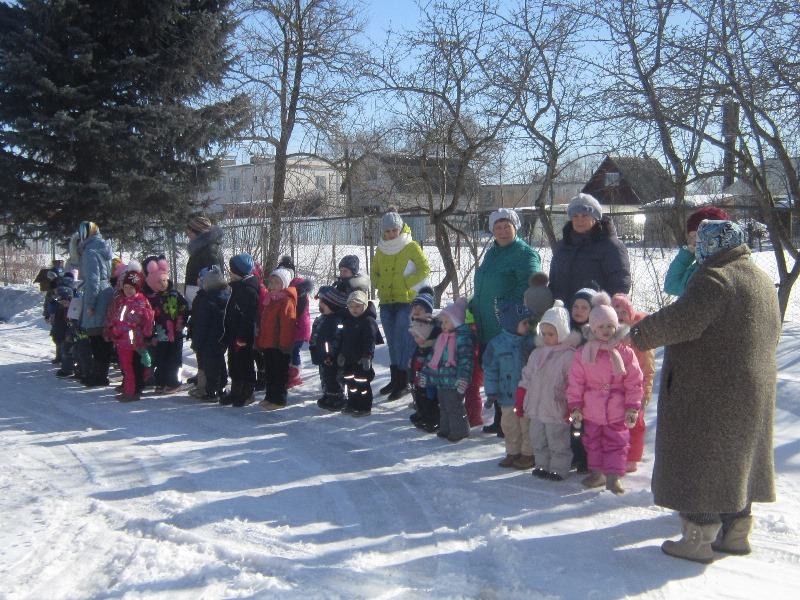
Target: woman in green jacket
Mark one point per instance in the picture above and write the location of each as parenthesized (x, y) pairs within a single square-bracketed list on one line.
[(398, 269), (501, 277)]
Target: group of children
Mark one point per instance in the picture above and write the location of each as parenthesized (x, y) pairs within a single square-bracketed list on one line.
[(577, 374)]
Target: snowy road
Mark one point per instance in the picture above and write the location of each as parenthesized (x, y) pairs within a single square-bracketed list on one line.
[(171, 498)]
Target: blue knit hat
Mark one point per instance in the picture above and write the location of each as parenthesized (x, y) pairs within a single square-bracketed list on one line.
[(242, 264), (350, 262), (511, 313), (424, 298), (585, 204), (332, 297), (391, 220)]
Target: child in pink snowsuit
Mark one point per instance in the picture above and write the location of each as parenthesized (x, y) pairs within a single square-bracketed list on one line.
[(604, 393), (129, 324)]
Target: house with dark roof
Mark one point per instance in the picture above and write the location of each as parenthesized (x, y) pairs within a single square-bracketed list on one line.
[(629, 180)]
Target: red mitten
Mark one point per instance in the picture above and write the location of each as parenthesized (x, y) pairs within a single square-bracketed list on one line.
[(518, 402)]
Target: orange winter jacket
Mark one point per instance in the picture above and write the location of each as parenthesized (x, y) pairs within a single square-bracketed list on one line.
[(278, 318)]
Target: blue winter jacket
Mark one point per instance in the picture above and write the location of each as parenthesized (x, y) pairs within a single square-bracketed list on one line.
[(503, 360), (326, 338), (95, 271)]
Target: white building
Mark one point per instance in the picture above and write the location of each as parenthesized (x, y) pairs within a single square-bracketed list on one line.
[(312, 186)]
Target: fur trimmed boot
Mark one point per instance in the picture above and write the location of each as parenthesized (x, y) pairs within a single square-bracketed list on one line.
[(695, 545), (389, 387), (734, 540)]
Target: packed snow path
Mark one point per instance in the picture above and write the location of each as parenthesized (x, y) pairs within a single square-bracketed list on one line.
[(172, 498)]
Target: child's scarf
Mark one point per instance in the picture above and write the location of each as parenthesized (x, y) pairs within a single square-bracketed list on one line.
[(445, 339), (590, 354), (273, 297)]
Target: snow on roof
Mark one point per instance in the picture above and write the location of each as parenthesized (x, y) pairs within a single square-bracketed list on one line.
[(695, 201)]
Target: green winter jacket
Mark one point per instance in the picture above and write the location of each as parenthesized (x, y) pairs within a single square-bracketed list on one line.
[(398, 266), (447, 377), (502, 276), (680, 272)]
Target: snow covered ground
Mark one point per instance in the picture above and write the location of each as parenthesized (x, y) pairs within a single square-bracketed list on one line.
[(172, 498)]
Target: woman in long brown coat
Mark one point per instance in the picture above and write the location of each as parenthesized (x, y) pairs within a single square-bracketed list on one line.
[(714, 453)]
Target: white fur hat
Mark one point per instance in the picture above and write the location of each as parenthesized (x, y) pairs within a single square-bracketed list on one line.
[(284, 275)]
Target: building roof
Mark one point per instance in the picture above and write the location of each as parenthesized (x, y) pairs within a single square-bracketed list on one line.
[(642, 180)]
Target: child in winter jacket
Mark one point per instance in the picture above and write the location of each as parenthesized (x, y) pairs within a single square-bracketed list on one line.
[(604, 394), (503, 360), (580, 306), (208, 327), (130, 325), (326, 340), (628, 315), (275, 337), (302, 332), (449, 370), (424, 330), (171, 313), (542, 393), (61, 332), (359, 332), (240, 326)]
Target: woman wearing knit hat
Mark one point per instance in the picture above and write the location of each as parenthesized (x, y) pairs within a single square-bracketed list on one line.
[(398, 269), (604, 395), (589, 254), (501, 277), (205, 251), (714, 442), (684, 264)]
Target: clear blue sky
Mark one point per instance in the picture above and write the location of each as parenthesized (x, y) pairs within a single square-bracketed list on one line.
[(381, 14)]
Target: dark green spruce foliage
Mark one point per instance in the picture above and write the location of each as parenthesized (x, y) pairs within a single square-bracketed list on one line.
[(103, 111)]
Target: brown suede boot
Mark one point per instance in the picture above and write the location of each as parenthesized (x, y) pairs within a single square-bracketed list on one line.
[(734, 540), (594, 479), (525, 462), (613, 484), (509, 461), (695, 545)]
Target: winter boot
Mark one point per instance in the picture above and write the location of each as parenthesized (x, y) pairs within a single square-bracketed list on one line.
[(695, 545), (733, 539), (246, 394), (200, 385), (234, 395), (99, 377), (594, 479), (524, 462), (509, 461), (294, 377), (401, 386), (389, 387), (613, 484)]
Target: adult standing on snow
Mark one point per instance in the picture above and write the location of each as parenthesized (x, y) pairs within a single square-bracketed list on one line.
[(589, 254), (714, 453), (92, 254), (205, 251), (500, 278), (398, 269)]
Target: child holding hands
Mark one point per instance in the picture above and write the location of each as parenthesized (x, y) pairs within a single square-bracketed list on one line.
[(604, 395)]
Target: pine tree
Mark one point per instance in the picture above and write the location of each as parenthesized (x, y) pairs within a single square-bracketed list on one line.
[(103, 111)]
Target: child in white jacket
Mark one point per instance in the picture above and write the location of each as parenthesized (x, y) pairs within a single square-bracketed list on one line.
[(542, 393)]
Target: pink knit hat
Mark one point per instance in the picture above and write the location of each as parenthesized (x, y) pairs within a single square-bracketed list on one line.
[(602, 313), (457, 311)]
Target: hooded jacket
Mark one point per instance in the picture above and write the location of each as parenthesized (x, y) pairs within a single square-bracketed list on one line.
[(399, 265), (204, 251), (502, 363), (95, 272), (276, 327), (544, 379), (596, 259)]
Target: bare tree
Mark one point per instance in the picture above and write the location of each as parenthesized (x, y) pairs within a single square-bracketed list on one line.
[(444, 76), (300, 61)]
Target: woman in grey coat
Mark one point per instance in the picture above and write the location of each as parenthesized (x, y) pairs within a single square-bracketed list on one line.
[(714, 453)]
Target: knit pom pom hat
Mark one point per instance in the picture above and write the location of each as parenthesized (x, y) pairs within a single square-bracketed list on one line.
[(199, 225), (558, 317), (602, 312), (424, 298), (391, 220), (587, 294), (133, 278), (456, 311), (332, 297)]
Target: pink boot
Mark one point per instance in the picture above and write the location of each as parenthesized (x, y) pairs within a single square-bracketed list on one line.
[(294, 377)]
